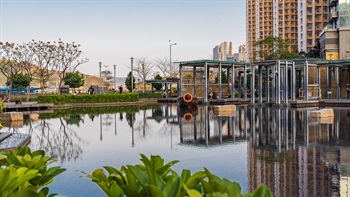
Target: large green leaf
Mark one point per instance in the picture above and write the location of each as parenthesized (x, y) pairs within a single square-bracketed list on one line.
[(193, 193), (130, 190), (172, 186), (139, 174), (233, 189), (185, 175), (155, 191), (262, 191), (2, 157), (195, 179), (47, 176)]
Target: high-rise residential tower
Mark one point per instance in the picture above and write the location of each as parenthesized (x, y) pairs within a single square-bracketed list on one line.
[(241, 56), (312, 18), (222, 51), (335, 38), (301, 21)]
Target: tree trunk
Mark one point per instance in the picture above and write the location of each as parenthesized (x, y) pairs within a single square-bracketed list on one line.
[(28, 93), (9, 92)]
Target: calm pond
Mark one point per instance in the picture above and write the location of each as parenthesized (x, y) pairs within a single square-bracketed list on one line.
[(294, 154)]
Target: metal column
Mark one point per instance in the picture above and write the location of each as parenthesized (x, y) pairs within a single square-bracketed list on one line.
[(180, 82), (293, 85), (252, 82), (278, 90), (285, 91), (220, 82), (267, 84), (194, 81), (233, 82), (306, 81), (260, 84), (206, 83), (245, 81)]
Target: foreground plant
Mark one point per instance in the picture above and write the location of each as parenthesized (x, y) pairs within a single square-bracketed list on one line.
[(154, 178), (25, 173)]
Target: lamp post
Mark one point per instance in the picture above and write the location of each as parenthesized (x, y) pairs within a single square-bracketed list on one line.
[(132, 77), (100, 87), (115, 84), (171, 70), (171, 66)]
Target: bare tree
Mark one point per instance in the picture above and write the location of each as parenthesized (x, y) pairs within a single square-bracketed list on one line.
[(68, 59), (143, 69), (163, 65), (167, 69), (46, 59), (26, 60), (9, 65)]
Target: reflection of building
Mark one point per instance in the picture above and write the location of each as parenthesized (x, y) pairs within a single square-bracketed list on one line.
[(335, 38), (298, 172), (295, 155), (222, 51)]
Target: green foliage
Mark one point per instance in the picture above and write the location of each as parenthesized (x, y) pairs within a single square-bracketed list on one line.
[(272, 48), (128, 82), (26, 172), (223, 78), (150, 95), (74, 80), (315, 51), (157, 86), (18, 81), (23, 98), (155, 178), (88, 98)]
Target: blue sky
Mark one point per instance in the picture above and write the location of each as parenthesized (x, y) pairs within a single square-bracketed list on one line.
[(112, 31)]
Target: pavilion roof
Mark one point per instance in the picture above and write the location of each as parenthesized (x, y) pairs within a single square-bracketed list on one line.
[(212, 63)]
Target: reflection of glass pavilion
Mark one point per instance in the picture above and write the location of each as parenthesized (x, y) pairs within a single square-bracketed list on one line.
[(205, 129)]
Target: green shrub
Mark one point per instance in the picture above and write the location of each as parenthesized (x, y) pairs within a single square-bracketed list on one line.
[(155, 178), (88, 98), (23, 98), (150, 95), (26, 172)]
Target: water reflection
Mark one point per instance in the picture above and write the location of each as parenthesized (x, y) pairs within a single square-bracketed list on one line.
[(293, 153), (58, 140)]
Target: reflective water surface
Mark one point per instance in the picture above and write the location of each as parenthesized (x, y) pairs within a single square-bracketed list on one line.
[(289, 150)]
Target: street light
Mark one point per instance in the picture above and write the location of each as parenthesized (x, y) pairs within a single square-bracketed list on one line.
[(100, 88), (171, 66), (115, 84), (132, 77)]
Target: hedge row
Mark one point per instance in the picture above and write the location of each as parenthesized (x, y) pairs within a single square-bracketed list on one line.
[(150, 95), (88, 98)]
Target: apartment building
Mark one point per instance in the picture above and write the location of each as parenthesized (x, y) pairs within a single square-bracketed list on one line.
[(222, 51), (241, 56), (312, 18), (301, 21), (335, 37)]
